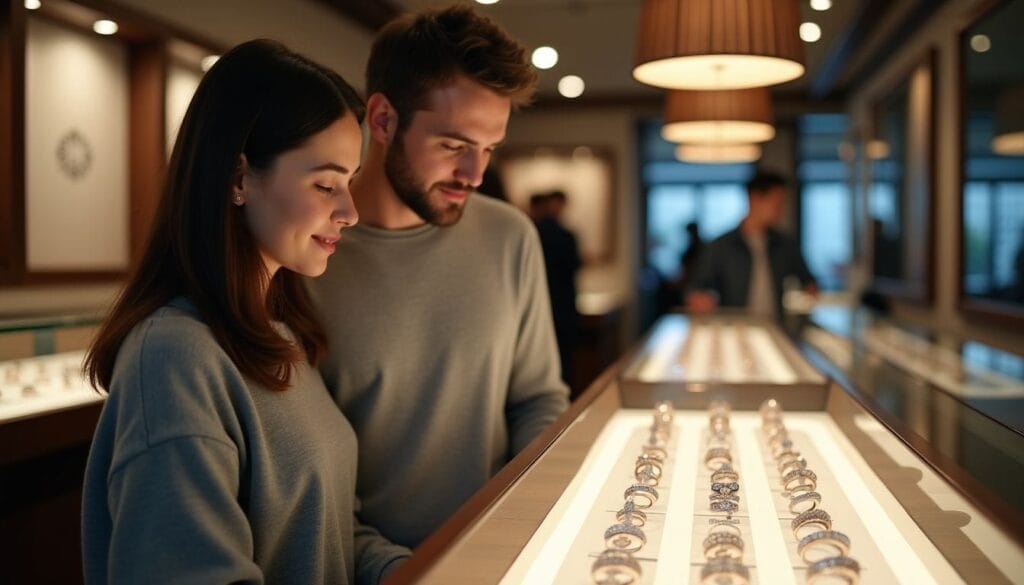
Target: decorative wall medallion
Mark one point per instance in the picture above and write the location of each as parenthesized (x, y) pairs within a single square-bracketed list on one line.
[(74, 155)]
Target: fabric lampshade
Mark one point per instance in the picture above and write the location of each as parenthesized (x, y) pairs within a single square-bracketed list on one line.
[(735, 116), (718, 44)]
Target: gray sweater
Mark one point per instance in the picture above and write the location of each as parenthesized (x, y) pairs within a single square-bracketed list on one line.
[(443, 356), (197, 475)]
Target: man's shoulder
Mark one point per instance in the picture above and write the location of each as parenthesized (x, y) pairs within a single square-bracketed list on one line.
[(495, 216), (729, 238)]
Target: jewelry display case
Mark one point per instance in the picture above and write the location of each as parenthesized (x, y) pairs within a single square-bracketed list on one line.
[(899, 511), (48, 414)]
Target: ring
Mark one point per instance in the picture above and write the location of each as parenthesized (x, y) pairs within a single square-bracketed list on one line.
[(782, 447), (649, 462), (776, 436), (804, 502), (811, 521), (788, 465), (724, 473), (724, 506), (725, 487), (724, 570), (644, 496), (724, 497), (655, 450), (719, 544), (799, 478), (716, 457), (823, 544), (843, 568), (719, 408), (785, 456), (625, 537), (727, 525), (630, 515), (616, 567), (770, 409), (647, 477)]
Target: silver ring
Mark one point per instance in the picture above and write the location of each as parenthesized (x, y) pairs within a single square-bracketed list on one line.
[(616, 567), (719, 544), (728, 525), (625, 537), (791, 464), (724, 506), (833, 568), (722, 570), (656, 451), (630, 515), (823, 544), (725, 487), (799, 478), (724, 497), (644, 496), (724, 474), (782, 447), (647, 477), (716, 457), (804, 502), (814, 520)]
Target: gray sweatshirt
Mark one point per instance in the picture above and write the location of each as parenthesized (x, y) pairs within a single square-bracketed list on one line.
[(443, 356), (197, 475)]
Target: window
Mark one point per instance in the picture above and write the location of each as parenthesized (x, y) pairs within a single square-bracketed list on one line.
[(826, 207)]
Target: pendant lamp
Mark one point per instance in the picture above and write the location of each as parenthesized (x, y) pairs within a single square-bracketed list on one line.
[(718, 153), (718, 44), (734, 116)]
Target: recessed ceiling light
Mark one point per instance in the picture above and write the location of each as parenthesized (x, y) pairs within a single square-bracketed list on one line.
[(486, 1), (571, 86), (208, 62), (104, 27), (33, 4), (981, 43), (544, 57), (810, 32), (821, 5)]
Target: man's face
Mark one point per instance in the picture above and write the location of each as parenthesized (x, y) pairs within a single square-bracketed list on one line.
[(440, 158), (771, 205)]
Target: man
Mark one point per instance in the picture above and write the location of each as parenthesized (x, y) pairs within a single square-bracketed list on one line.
[(442, 353), (562, 262), (747, 267)]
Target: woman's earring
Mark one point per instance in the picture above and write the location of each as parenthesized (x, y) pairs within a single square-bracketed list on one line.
[(237, 199)]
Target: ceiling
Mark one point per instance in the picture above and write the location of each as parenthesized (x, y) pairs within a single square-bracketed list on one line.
[(595, 39)]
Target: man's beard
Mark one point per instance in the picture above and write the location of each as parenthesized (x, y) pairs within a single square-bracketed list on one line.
[(406, 186)]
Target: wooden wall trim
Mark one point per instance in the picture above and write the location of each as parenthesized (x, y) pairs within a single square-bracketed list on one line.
[(12, 140)]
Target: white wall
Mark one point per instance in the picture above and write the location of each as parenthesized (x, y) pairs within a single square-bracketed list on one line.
[(76, 111)]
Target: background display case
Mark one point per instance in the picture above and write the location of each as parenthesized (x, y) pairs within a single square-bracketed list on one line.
[(542, 518), (48, 414)]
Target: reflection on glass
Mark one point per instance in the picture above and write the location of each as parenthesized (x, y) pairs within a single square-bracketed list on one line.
[(993, 189), (885, 194)]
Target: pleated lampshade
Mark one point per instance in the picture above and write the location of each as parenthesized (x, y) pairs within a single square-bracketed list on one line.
[(718, 153), (735, 116), (718, 44), (1009, 123)]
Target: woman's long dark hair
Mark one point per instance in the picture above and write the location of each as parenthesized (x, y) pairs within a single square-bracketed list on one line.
[(260, 99)]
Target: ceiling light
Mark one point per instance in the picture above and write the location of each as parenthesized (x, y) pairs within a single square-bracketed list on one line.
[(821, 5), (33, 4), (718, 153), (487, 1), (571, 86), (733, 116), (544, 57), (208, 62), (981, 43), (877, 149), (810, 32), (710, 44), (1009, 123), (104, 27)]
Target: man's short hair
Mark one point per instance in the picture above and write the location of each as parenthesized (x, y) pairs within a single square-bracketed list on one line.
[(764, 181), (416, 53)]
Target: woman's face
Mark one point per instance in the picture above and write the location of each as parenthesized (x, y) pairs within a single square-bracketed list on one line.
[(297, 208)]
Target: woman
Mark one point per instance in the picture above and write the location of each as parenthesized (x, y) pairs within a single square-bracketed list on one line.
[(219, 456)]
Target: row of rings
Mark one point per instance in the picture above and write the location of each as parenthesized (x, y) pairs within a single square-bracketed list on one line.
[(823, 549), (723, 547), (617, 565)]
